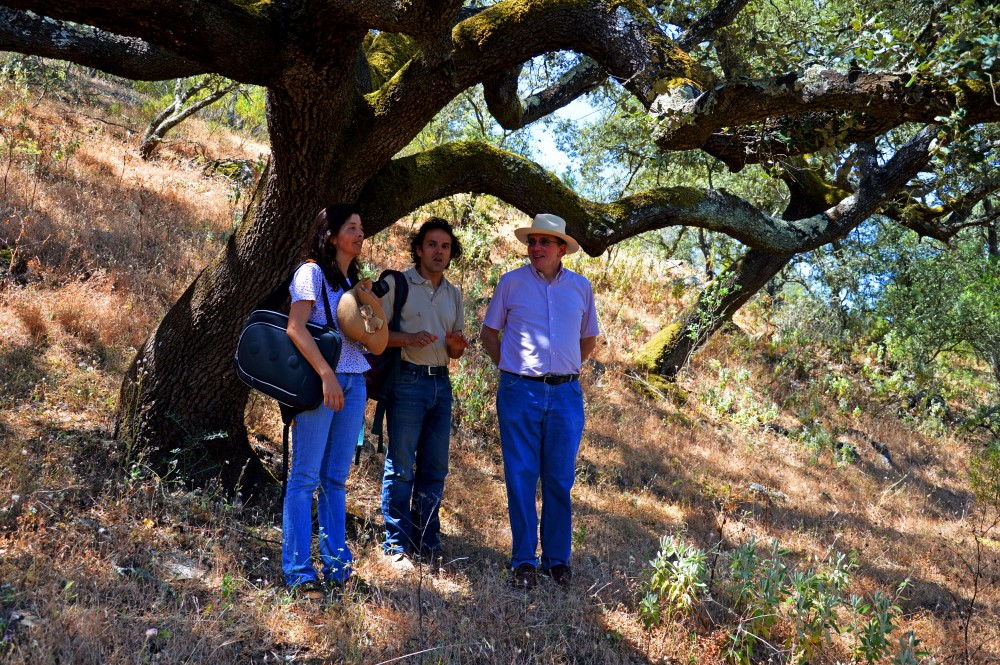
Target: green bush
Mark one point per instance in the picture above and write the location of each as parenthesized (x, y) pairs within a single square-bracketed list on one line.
[(774, 608), (676, 581)]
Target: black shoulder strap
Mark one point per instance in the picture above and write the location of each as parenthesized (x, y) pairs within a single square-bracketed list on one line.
[(278, 298), (330, 321), (399, 298)]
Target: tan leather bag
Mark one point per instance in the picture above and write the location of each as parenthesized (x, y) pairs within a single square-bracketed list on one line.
[(360, 317)]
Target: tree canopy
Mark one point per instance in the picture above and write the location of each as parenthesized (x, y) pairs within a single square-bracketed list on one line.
[(856, 108)]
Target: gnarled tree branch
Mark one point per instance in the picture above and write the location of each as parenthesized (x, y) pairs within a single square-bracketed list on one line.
[(512, 112), (781, 138), (409, 182), (506, 106), (688, 122), (943, 222), (130, 57), (706, 26), (625, 40), (220, 36)]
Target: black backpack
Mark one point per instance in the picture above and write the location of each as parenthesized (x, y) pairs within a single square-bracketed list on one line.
[(380, 379), (268, 361)]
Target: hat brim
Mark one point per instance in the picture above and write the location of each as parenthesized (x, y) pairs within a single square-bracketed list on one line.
[(572, 246), (352, 324)]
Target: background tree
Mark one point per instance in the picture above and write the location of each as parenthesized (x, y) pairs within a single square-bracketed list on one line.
[(189, 96), (350, 84)]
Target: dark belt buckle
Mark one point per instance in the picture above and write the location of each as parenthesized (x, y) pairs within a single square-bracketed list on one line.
[(434, 370), (556, 379)]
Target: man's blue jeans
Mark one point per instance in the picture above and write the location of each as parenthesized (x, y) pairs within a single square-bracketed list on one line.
[(323, 443), (540, 430), (416, 462)]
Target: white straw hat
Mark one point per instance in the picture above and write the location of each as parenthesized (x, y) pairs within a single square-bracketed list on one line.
[(549, 225), (360, 317)]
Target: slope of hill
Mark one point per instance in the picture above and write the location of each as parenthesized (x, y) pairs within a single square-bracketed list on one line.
[(769, 437)]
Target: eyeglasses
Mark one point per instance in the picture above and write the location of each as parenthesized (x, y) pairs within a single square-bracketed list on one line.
[(542, 242)]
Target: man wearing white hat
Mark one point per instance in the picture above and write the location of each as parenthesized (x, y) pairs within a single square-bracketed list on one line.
[(549, 324)]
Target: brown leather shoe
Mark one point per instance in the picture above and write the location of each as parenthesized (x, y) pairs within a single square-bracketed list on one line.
[(560, 573), (310, 590), (525, 577)]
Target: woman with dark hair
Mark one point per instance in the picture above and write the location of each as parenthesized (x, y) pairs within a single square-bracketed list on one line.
[(323, 440)]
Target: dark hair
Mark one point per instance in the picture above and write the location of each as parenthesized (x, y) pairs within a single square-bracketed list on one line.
[(434, 223), (329, 221)]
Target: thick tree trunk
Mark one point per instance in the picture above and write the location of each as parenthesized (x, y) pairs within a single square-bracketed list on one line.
[(181, 397), (669, 350)]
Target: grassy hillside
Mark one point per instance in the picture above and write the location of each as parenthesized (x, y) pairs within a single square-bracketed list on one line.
[(772, 459)]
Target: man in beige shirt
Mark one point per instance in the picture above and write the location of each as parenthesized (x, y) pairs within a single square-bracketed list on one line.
[(419, 415)]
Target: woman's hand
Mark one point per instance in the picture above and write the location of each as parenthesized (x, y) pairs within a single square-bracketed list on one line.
[(333, 394), (298, 316)]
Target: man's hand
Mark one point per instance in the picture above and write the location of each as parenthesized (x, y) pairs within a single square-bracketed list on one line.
[(421, 339), (457, 344)]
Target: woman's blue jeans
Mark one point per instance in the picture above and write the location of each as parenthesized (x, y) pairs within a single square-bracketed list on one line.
[(416, 462), (323, 443), (540, 430)]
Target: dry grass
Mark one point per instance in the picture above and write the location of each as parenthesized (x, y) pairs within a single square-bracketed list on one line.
[(95, 558)]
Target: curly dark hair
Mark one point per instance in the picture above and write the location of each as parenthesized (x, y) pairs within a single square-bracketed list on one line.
[(434, 223), (329, 221)]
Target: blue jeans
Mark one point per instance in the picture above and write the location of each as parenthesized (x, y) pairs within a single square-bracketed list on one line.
[(540, 430), (323, 443), (416, 462)]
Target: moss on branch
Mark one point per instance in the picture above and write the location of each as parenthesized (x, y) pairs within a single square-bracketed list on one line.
[(649, 357), (258, 8), (409, 182), (387, 54)]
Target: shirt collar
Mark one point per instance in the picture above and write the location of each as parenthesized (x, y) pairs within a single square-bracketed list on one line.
[(539, 275), (417, 278)]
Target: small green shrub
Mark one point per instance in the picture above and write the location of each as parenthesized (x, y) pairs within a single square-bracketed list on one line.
[(474, 387), (774, 608), (757, 589), (816, 595), (732, 397), (816, 438), (676, 582), (873, 621)]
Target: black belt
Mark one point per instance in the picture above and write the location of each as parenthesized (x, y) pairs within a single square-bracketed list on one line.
[(548, 379), (428, 370)]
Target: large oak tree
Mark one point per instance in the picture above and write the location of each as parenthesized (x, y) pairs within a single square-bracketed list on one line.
[(351, 82)]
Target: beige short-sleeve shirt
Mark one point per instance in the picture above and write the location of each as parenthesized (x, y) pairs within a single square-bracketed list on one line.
[(437, 311)]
